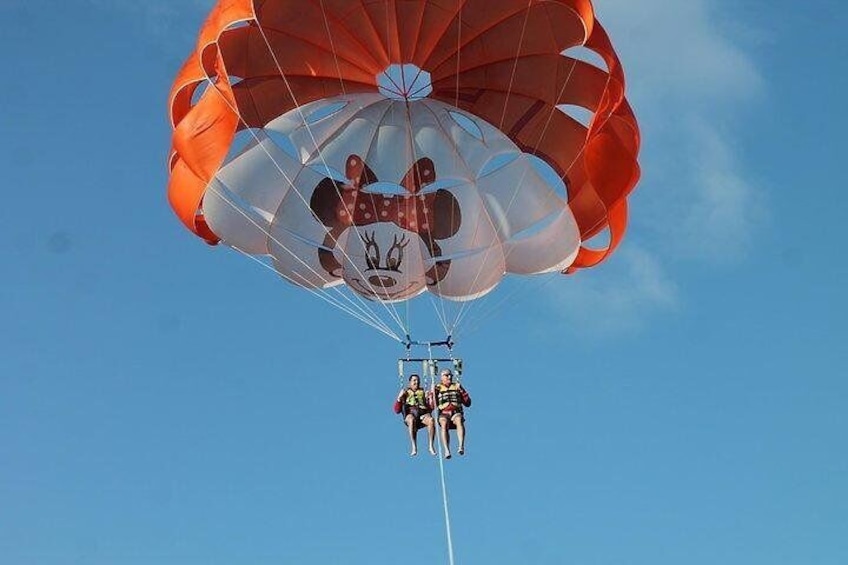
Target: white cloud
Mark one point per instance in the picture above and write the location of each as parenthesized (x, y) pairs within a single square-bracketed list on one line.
[(680, 51), (689, 79), (725, 208), (614, 298)]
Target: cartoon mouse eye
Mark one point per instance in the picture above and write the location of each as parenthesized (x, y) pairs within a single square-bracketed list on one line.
[(372, 251), (394, 257)]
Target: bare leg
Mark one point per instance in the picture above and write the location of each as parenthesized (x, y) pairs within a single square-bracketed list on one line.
[(410, 424), (443, 424), (431, 433), (460, 433)]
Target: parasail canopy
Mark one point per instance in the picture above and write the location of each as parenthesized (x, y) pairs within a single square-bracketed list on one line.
[(398, 147)]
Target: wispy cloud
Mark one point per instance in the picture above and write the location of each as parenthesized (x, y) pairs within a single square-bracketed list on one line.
[(689, 80), (681, 51), (616, 299), (725, 208)]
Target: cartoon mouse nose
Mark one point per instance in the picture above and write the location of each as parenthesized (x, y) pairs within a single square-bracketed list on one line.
[(385, 282)]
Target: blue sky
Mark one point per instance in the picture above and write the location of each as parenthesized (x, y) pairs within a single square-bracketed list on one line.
[(166, 402)]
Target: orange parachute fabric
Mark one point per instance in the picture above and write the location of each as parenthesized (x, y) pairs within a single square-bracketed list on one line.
[(504, 61)]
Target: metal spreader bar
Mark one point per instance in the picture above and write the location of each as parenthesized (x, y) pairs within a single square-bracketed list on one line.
[(430, 365)]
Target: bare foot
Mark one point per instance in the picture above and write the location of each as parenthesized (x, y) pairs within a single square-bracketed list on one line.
[(414, 452), (432, 451), (447, 455)]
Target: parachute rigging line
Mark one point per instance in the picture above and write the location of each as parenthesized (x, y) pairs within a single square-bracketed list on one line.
[(515, 63), (432, 370), (494, 218), (467, 306), (321, 293), (365, 316), (332, 47), (389, 307)]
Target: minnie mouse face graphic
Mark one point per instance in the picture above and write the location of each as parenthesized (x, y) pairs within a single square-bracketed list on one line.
[(385, 246)]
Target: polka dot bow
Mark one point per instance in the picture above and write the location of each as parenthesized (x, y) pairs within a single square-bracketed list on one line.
[(413, 212)]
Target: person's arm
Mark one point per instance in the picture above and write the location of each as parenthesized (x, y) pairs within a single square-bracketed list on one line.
[(398, 402), (466, 398)]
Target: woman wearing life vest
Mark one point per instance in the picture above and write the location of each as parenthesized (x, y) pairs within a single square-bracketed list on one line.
[(416, 407), (450, 398)]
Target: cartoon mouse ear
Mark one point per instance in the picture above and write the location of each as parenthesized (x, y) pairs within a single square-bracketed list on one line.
[(422, 173), (446, 217), (358, 172), (326, 201)]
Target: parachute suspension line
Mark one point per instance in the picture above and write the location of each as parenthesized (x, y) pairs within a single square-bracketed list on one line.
[(479, 318), (467, 304), (467, 307), (458, 50), (551, 117), (457, 158), (425, 84), (410, 141), (443, 316), (407, 274), (390, 308), (486, 312), (432, 372), (554, 110), (376, 323), (470, 175), (388, 43), (450, 328), (515, 63), (440, 314), (363, 314), (333, 47), (414, 159), (362, 304)]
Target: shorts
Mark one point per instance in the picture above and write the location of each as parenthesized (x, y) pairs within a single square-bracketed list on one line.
[(417, 414), (452, 417)]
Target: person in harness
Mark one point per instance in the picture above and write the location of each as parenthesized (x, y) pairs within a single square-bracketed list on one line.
[(450, 400), (416, 407)]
